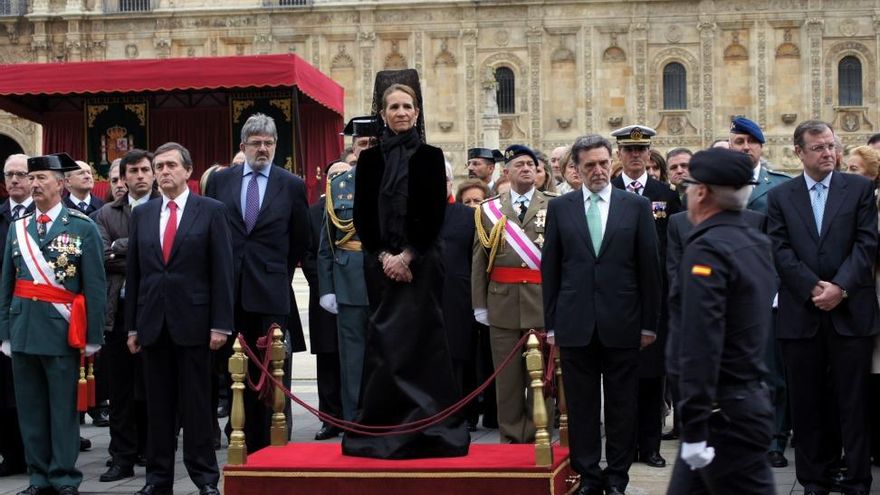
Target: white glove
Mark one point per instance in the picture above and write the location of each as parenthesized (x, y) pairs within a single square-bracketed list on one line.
[(328, 302), (481, 315), (775, 304), (91, 349), (697, 455), (6, 348)]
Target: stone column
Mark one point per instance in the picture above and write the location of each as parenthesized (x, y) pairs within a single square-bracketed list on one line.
[(707, 44), (491, 120), (367, 41), (639, 37), (762, 74), (815, 28), (587, 80), (534, 40), (469, 46)]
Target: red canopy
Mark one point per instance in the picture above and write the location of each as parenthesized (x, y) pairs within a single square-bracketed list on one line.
[(171, 74)]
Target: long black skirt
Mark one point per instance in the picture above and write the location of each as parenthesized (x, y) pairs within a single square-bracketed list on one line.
[(407, 367)]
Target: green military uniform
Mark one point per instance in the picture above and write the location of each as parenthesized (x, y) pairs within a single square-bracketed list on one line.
[(45, 367), (341, 272), (767, 180), (513, 309)]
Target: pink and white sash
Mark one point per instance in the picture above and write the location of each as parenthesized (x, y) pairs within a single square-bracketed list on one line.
[(514, 235)]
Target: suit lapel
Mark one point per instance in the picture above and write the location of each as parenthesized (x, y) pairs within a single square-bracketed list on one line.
[(615, 214), (190, 213), (273, 190), (579, 219), (836, 194), (800, 199), (507, 208), (154, 224), (235, 191), (762, 188)]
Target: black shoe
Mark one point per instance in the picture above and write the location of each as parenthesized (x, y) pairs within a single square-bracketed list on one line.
[(116, 473), (7, 468), (670, 435), (815, 492), (490, 423), (68, 490), (586, 490), (109, 462), (471, 426), (33, 490), (154, 490), (208, 490), (84, 444), (327, 432), (223, 409), (654, 459), (100, 416), (613, 490), (777, 459)]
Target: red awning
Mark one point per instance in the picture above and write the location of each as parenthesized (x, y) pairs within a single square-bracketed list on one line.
[(171, 74)]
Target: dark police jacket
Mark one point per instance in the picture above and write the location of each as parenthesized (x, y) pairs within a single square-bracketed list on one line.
[(727, 283)]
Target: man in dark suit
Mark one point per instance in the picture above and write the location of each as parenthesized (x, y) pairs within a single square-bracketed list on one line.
[(80, 184), (178, 309), (19, 204), (268, 221), (824, 229), (601, 289), (633, 150)]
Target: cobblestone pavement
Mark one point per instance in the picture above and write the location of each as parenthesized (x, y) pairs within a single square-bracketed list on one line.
[(643, 480)]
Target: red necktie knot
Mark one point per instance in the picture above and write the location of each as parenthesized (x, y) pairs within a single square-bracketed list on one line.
[(44, 218)]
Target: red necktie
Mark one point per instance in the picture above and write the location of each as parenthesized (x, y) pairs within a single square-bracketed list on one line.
[(170, 231), (42, 220)]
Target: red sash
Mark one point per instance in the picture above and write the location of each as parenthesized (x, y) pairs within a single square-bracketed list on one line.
[(76, 331), (513, 275)]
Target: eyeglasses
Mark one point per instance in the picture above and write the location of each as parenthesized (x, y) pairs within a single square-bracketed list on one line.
[(20, 175), (819, 148), (260, 144)]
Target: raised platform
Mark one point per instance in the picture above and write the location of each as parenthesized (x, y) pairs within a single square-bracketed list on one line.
[(320, 468)]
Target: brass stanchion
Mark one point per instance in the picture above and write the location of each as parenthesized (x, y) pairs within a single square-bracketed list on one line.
[(278, 431), (238, 369), (560, 403), (535, 366)]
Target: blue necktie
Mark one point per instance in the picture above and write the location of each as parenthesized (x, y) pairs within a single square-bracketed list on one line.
[(252, 203), (818, 202)]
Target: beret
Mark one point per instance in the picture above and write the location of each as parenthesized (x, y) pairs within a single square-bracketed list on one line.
[(721, 167), (515, 150), (742, 125)]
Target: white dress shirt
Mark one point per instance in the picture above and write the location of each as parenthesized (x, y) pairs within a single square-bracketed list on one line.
[(515, 196), (52, 214), (642, 180), (24, 206), (810, 183), (165, 213), (137, 202)]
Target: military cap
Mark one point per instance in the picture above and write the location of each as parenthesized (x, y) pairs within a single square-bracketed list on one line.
[(742, 125), (634, 135), (57, 162), (515, 150), (721, 167), (365, 126), (486, 154)]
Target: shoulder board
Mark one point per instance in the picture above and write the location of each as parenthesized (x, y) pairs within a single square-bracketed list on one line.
[(493, 198), (76, 213), (780, 174), (552, 194), (27, 214)]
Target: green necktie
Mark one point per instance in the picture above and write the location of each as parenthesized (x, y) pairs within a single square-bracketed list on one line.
[(594, 222)]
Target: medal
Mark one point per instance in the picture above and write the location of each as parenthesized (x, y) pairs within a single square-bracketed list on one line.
[(70, 271), (539, 241), (62, 260), (541, 218)]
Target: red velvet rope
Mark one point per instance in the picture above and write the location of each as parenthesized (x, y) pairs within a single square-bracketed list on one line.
[(388, 430)]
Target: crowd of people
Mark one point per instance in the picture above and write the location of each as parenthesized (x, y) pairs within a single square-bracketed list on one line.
[(699, 281)]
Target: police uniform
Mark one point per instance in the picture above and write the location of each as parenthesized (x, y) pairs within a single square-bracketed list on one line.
[(503, 283), (766, 180), (726, 281), (46, 367), (341, 272), (493, 156)]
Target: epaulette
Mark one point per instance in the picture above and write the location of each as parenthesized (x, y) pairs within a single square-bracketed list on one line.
[(781, 174), (76, 213), (27, 214), (552, 194), (490, 199)]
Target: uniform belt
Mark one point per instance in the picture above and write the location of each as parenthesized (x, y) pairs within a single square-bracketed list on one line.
[(513, 275), (351, 245), (76, 330)]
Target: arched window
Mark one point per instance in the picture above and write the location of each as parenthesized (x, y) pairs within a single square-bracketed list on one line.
[(674, 86), (849, 81), (505, 93)]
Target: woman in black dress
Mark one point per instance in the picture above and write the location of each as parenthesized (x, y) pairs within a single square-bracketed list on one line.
[(398, 213)]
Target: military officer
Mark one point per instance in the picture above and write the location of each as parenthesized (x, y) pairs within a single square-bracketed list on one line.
[(747, 137), (506, 283), (52, 296), (633, 150), (481, 165), (341, 272), (726, 277)]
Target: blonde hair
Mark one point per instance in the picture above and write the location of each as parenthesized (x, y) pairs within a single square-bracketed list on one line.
[(870, 158)]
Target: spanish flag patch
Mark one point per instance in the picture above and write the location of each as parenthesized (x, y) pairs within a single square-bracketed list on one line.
[(701, 270)]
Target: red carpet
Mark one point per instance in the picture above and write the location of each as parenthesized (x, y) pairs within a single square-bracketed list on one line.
[(320, 468)]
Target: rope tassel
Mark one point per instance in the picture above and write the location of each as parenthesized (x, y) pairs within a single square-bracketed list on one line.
[(82, 389)]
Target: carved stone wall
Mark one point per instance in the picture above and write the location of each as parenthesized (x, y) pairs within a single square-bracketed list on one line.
[(579, 66)]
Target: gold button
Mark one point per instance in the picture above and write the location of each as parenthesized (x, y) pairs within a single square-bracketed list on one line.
[(523, 265), (34, 299)]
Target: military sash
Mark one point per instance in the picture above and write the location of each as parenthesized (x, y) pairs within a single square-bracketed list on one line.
[(68, 304), (514, 235)]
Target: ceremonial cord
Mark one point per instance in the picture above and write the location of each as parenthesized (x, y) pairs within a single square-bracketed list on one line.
[(492, 241), (344, 226), (387, 430)]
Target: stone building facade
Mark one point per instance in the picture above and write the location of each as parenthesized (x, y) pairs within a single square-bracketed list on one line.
[(577, 66)]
